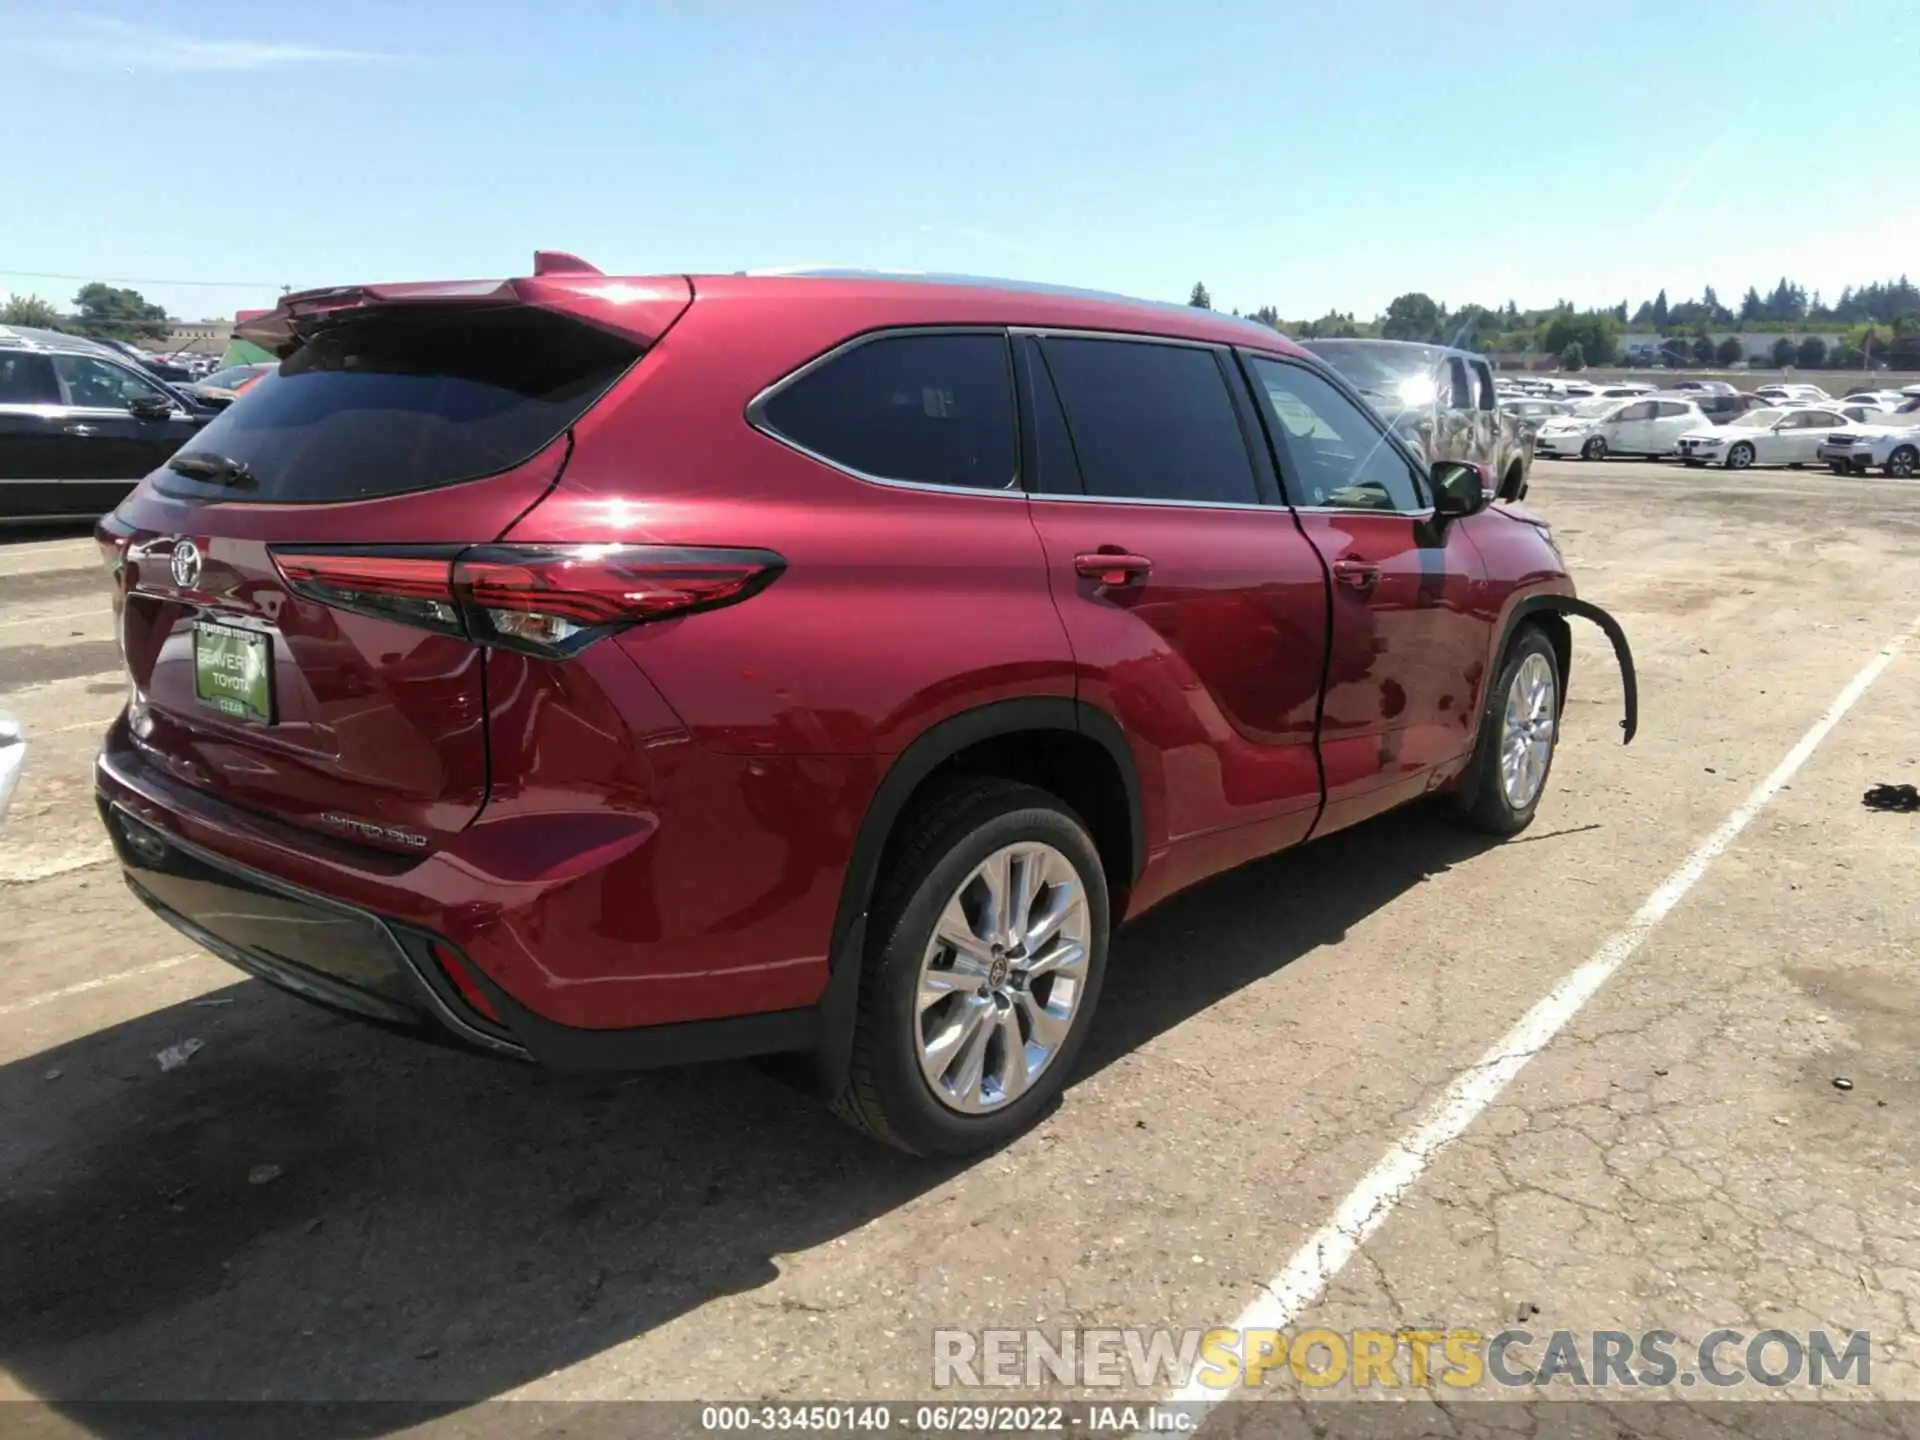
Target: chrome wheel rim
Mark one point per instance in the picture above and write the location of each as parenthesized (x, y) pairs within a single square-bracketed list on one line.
[(1527, 729), (1900, 463), (1002, 978), (1739, 457)]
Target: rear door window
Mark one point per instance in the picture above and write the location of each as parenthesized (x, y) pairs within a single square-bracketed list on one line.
[(929, 409), (410, 398), (1152, 421), (27, 379)]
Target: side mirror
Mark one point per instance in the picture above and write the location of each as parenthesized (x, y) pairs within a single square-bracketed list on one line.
[(149, 407), (1460, 488)]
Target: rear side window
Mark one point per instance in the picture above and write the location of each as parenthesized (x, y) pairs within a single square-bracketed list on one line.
[(408, 399), (931, 409), (1151, 422), (27, 380)]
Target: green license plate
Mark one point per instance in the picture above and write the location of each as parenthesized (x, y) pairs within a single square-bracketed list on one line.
[(233, 671)]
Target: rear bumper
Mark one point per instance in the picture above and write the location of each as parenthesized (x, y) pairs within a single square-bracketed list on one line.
[(372, 940), (369, 967)]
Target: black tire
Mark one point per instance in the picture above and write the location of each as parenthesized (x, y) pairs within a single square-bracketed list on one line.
[(1694, 464), (1740, 456), (1481, 802), (1901, 463), (1594, 449), (947, 834), (1839, 467)]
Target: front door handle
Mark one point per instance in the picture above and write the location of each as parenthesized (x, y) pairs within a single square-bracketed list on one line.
[(1355, 573), (1113, 567), (81, 430)]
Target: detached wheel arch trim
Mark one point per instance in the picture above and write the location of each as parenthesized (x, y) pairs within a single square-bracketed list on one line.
[(1535, 605)]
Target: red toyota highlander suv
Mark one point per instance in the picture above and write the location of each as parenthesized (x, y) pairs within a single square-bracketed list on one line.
[(619, 672)]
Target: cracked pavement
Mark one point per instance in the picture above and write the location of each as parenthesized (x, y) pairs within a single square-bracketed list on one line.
[(446, 1229)]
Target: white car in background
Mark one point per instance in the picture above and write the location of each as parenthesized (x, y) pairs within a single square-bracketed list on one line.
[(1763, 437), (1602, 427), (1795, 394), (1889, 443)]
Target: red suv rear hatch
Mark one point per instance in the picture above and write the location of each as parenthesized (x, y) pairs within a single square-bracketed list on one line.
[(286, 582)]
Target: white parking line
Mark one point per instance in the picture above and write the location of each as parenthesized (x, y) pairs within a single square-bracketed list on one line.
[(1366, 1207), (67, 991)]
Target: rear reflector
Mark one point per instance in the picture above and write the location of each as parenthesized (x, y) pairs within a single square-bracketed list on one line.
[(470, 991), (547, 600)]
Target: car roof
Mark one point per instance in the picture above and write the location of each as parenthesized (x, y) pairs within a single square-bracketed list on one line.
[(30, 337), (872, 298), (1429, 347), (1022, 301)]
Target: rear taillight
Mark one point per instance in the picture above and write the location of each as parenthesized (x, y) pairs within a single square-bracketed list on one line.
[(413, 587), (548, 600)]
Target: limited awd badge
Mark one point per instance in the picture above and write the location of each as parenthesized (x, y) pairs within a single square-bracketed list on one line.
[(185, 564)]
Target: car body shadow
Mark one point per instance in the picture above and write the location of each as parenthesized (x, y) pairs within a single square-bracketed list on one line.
[(312, 1209)]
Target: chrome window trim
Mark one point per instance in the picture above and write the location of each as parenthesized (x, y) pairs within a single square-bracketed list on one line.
[(757, 419), (1257, 506)]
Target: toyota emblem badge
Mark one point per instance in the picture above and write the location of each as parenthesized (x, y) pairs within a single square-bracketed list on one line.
[(186, 564)]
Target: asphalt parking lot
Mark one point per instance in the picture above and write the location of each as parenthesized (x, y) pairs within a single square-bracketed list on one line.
[(310, 1209)]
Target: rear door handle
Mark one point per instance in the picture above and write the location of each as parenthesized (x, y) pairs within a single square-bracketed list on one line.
[(1355, 573), (1113, 567)]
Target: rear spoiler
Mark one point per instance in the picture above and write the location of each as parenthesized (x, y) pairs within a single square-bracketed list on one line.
[(641, 309)]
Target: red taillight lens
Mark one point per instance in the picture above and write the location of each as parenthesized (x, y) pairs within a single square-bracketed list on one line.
[(413, 587), (550, 600), (555, 599)]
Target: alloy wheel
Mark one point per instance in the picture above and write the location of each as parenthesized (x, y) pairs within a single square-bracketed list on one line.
[(1002, 978), (1527, 730)]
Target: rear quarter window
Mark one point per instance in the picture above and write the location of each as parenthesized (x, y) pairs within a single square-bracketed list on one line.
[(932, 409), (409, 399)]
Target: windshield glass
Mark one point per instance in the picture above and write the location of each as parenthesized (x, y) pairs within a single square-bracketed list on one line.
[(1595, 408), (1379, 371), (232, 375)]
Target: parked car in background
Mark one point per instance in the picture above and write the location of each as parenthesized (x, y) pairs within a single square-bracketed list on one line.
[(1705, 387), (1885, 442), (1602, 427), (1791, 394), (1763, 437), (222, 387), (1533, 412), (1621, 389), (80, 424), (550, 745), (154, 365), (1719, 408), (1441, 400)]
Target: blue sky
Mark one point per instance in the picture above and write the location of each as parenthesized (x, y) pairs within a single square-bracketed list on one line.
[(1294, 152)]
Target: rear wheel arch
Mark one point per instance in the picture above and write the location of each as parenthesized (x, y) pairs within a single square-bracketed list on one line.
[(1012, 739), (1069, 744)]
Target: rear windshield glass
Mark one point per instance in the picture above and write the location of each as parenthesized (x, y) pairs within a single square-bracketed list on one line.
[(407, 399)]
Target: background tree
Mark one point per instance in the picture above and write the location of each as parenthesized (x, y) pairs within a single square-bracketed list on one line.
[(1412, 316), (1703, 350), (1811, 353), (1660, 315), (1266, 315), (1573, 357), (1751, 305), (1200, 299), (1728, 352), (1783, 352), (108, 312), (31, 310)]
